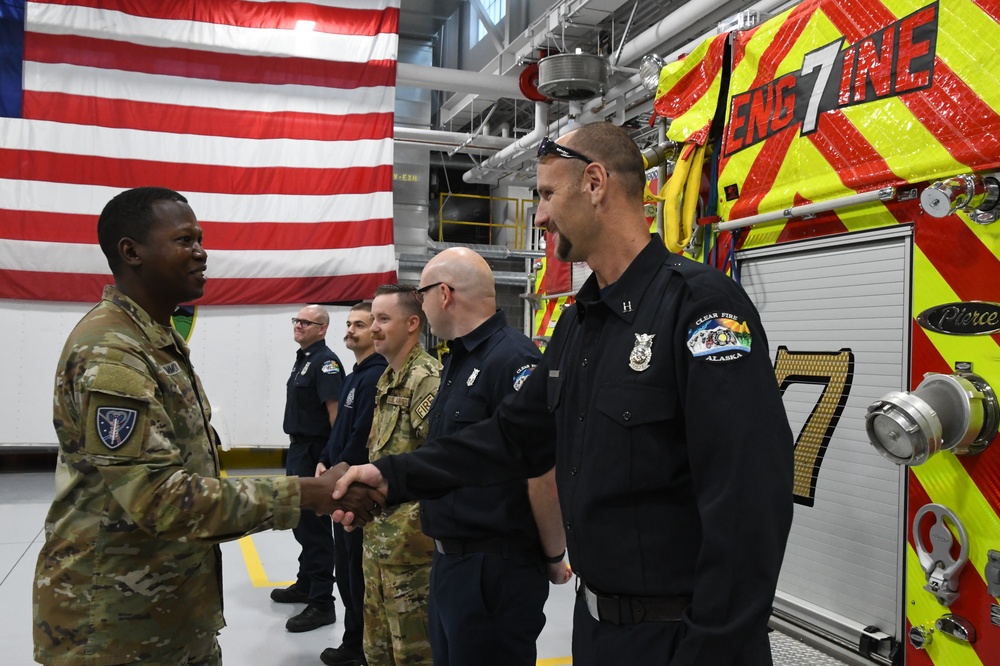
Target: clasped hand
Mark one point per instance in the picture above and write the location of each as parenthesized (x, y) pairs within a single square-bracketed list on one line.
[(360, 500)]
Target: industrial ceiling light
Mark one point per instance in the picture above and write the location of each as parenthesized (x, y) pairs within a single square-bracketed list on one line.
[(649, 71)]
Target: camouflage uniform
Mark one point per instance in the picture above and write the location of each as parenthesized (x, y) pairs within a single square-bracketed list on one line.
[(130, 570), (397, 555)]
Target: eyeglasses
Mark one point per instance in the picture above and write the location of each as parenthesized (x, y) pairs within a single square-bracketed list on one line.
[(419, 293), (550, 147), (305, 322)]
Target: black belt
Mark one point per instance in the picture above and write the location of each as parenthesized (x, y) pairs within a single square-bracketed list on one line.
[(620, 609), (489, 545)]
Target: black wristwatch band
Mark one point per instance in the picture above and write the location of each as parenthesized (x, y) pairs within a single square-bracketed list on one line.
[(557, 559)]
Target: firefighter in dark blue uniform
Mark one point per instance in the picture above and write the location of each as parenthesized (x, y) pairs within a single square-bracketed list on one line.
[(310, 410), (673, 458), (491, 571), (349, 443)]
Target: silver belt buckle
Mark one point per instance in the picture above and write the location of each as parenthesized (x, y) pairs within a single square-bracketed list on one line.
[(591, 602)]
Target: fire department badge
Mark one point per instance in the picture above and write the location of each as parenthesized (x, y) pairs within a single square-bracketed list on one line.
[(472, 378), (719, 337), (521, 375), (642, 352), (115, 425)]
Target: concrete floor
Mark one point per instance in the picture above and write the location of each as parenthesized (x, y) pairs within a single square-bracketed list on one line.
[(253, 566)]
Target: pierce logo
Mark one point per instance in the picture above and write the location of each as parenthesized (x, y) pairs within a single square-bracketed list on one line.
[(894, 61), (965, 318)]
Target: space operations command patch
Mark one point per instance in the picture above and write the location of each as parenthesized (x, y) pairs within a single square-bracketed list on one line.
[(115, 425), (719, 337)]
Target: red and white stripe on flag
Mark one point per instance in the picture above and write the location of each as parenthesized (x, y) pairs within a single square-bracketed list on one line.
[(274, 119)]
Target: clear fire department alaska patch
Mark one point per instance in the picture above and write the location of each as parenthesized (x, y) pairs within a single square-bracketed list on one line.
[(719, 337)]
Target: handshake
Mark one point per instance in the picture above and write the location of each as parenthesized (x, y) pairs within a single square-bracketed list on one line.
[(349, 499)]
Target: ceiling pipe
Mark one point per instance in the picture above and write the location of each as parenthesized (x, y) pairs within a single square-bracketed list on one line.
[(602, 107), (511, 159), (457, 80), (542, 33), (518, 148), (650, 40), (485, 142)]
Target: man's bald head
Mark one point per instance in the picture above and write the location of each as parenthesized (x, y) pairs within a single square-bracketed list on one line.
[(465, 296), (462, 269)]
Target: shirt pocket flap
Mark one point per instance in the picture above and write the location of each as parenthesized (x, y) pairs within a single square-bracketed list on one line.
[(631, 406), (464, 409), (553, 393), (384, 426)]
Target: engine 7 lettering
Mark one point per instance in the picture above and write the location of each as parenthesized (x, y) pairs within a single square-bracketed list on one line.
[(893, 61), (896, 60), (761, 112), (835, 371)]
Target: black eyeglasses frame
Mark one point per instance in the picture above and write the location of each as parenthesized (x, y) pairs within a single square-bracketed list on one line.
[(305, 322), (419, 293), (550, 147)]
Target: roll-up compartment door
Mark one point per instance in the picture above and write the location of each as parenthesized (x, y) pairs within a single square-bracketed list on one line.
[(837, 316)]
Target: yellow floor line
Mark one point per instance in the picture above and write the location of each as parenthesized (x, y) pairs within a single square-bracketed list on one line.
[(258, 577)]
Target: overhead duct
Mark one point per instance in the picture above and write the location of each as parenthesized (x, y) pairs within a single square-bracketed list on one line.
[(509, 160), (572, 76)]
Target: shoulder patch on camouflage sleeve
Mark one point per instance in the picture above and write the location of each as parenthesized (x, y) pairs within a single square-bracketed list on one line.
[(115, 425), (425, 407)]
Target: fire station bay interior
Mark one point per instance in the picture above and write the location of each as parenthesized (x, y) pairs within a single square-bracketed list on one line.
[(838, 158)]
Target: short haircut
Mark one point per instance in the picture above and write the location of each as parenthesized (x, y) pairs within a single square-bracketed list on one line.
[(613, 147), (130, 215), (406, 296), (363, 306)]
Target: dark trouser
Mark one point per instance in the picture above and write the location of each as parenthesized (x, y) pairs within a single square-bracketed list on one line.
[(351, 583), (314, 533), (486, 608), (650, 643)]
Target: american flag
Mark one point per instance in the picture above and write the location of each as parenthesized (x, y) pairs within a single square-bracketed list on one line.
[(274, 119)]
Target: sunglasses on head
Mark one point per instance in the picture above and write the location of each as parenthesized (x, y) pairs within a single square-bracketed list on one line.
[(550, 147)]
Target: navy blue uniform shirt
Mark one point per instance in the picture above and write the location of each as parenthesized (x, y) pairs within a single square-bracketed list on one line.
[(484, 367), (316, 377), (349, 439), (657, 402)]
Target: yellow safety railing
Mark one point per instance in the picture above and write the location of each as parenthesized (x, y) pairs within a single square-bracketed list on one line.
[(521, 224)]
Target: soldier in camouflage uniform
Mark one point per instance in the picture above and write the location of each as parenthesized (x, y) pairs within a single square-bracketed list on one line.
[(397, 555), (130, 570)]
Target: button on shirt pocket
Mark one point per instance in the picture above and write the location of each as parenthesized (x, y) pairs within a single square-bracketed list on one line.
[(633, 406), (464, 410)]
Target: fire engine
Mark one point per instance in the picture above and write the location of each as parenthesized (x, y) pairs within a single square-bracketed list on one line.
[(849, 152)]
